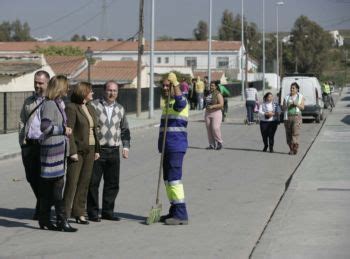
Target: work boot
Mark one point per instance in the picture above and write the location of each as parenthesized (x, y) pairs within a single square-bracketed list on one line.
[(176, 221), (164, 218)]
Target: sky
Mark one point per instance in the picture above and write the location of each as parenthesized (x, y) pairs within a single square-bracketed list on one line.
[(61, 19)]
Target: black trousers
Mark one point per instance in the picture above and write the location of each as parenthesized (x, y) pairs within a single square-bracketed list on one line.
[(31, 163), (268, 130), (51, 194), (108, 167)]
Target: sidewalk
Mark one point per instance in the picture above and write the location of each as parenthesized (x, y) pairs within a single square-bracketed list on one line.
[(9, 142), (312, 219)]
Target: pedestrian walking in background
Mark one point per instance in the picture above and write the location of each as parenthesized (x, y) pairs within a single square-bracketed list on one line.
[(175, 148), (193, 94), (251, 96), (200, 93), (83, 150), (30, 133), (113, 132), (213, 116), (293, 104), (225, 94), (54, 148), (184, 88), (269, 112)]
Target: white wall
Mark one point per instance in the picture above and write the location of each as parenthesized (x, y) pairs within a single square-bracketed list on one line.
[(24, 83), (176, 58)]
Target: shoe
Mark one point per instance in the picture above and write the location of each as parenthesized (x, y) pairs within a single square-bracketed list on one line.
[(95, 219), (47, 225), (111, 217), (218, 146), (63, 225), (176, 221), (265, 149), (271, 149), (81, 220), (35, 216), (210, 147), (164, 217)]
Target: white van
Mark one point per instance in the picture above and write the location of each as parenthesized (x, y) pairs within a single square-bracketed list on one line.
[(310, 88)]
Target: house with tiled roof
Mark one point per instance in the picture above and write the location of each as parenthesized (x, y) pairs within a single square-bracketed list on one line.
[(17, 71), (193, 54)]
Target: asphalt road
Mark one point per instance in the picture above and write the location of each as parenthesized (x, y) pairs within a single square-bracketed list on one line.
[(230, 197)]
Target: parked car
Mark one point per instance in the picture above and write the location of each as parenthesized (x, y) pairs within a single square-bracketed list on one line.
[(310, 88)]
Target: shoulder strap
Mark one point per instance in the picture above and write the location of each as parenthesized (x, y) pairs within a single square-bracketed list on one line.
[(36, 107)]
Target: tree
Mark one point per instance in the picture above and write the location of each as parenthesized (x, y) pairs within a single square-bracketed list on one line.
[(15, 31), (60, 51), (310, 45), (164, 38), (201, 32), (226, 27)]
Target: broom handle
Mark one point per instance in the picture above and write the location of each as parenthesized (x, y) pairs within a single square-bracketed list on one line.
[(163, 144)]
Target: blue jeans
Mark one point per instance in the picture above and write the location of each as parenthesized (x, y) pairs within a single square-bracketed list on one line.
[(250, 109)]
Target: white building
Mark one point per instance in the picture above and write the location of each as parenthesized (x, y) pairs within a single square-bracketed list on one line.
[(225, 54)]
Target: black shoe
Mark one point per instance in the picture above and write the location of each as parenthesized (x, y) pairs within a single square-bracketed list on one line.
[(35, 216), (164, 217), (95, 219), (271, 150), (218, 146), (111, 217), (265, 149), (81, 220), (47, 225), (63, 225), (176, 221), (210, 147)]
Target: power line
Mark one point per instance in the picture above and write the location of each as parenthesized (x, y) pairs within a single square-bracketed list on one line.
[(62, 17)]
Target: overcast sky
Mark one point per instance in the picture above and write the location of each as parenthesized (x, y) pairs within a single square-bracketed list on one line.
[(176, 18)]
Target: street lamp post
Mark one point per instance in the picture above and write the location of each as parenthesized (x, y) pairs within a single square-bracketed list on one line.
[(277, 44), (88, 56), (242, 52), (263, 34), (209, 43)]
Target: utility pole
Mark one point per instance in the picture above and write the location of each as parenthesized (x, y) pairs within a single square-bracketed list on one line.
[(242, 51), (103, 30), (139, 59)]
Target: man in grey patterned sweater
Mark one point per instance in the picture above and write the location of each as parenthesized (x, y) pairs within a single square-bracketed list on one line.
[(113, 131)]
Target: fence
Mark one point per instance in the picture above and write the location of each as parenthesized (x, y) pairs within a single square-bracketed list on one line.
[(11, 104)]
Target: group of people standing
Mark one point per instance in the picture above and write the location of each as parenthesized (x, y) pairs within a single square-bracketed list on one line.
[(67, 148), (269, 116)]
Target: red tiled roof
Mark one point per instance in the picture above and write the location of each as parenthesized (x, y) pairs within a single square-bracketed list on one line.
[(215, 75), (111, 70), (65, 65), (125, 45)]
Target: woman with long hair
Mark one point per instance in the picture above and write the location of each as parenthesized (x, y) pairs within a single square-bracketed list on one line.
[(269, 118), (53, 151), (293, 104), (213, 116)]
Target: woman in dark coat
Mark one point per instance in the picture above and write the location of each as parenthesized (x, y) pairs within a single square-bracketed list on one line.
[(84, 149)]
